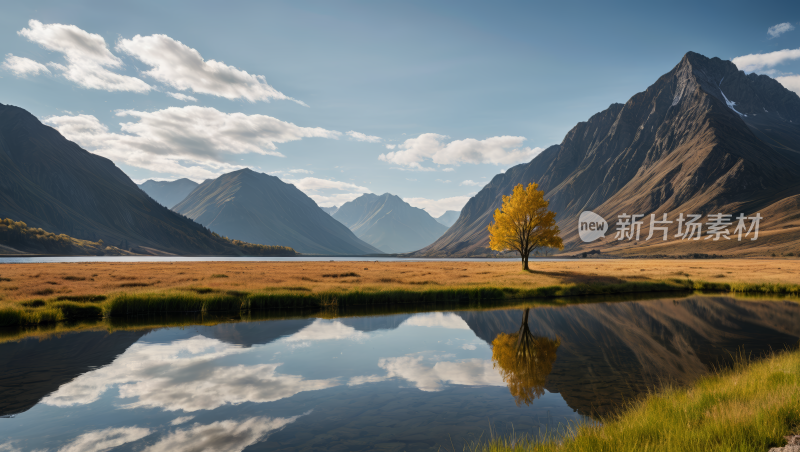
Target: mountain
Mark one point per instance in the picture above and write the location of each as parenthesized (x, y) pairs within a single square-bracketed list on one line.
[(449, 217), (49, 182), (389, 223), (330, 210), (168, 193), (705, 138), (259, 208)]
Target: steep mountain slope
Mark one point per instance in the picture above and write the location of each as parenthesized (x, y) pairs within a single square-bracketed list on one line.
[(259, 208), (389, 223), (168, 193), (449, 217), (330, 210), (705, 138), (51, 183)]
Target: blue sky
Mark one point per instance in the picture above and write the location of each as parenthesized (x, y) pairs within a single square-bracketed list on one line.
[(475, 87)]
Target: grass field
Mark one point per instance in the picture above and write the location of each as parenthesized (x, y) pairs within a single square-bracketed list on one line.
[(750, 407), (40, 293)]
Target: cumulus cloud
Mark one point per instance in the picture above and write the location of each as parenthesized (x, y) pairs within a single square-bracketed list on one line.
[(328, 192), (88, 58), (181, 420), (438, 320), (358, 136), (391, 146), (23, 67), (760, 61), (326, 330), (790, 82), (182, 67), (473, 372), (184, 375), (431, 146), (300, 171), (103, 440), (221, 436), (777, 30), (189, 141), (447, 170), (436, 207), (470, 183), (183, 97)]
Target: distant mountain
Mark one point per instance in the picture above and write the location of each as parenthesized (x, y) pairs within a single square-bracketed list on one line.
[(389, 223), (168, 193), (449, 217), (705, 138), (259, 208), (330, 210), (51, 183)]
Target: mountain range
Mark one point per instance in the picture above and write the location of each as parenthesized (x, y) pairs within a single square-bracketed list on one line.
[(259, 208), (168, 193), (389, 223), (49, 182), (449, 217), (705, 138)]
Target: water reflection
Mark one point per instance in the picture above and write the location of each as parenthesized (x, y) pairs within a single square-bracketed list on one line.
[(396, 382), (524, 361)]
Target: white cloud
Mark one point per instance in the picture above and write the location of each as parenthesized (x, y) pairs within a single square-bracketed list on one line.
[(320, 190), (361, 379), (759, 61), (183, 68), (497, 150), (221, 436), (300, 171), (391, 146), (777, 30), (358, 136), (183, 97), (470, 183), (189, 141), (181, 420), (184, 375), (326, 330), (23, 67), (469, 346), (443, 181), (790, 82), (438, 320), (473, 372), (447, 170), (88, 57), (436, 207), (107, 439)]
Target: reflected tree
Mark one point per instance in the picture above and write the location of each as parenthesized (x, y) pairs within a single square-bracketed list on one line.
[(524, 361)]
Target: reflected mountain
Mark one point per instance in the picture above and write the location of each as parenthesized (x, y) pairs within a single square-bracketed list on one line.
[(524, 361), (610, 352)]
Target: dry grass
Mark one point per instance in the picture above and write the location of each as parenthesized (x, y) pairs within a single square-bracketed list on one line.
[(28, 281)]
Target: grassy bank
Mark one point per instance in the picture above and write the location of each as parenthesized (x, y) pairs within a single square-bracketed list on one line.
[(750, 407), (210, 300)]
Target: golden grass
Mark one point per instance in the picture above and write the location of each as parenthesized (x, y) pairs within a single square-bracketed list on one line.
[(750, 407)]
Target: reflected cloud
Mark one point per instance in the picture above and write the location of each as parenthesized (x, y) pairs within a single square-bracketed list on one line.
[(326, 330), (181, 420), (184, 375), (222, 436), (107, 439), (361, 379), (438, 319), (472, 372)]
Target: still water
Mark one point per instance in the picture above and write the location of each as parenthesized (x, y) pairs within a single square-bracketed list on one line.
[(426, 381), (129, 259)]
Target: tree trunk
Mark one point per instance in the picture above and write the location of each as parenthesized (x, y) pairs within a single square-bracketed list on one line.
[(525, 262)]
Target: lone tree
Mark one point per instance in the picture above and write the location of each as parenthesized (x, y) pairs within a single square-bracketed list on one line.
[(524, 223)]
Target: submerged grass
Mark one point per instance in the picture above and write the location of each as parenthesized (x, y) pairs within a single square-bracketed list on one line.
[(207, 299), (750, 407)]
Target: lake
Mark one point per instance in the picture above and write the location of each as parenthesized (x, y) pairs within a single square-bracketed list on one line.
[(410, 381), (130, 259)]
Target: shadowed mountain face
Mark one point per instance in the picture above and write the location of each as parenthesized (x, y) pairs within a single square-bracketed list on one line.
[(705, 138), (259, 208), (51, 183), (168, 193), (389, 223), (610, 352), (449, 217)]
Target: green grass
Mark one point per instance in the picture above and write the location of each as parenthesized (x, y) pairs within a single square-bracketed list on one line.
[(749, 407), (204, 299)]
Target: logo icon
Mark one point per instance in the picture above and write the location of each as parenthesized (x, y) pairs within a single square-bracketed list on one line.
[(591, 226)]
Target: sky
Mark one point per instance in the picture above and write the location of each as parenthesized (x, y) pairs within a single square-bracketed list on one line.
[(424, 100)]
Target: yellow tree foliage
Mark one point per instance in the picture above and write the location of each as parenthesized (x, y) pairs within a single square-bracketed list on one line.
[(524, 223), (524, 362)]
